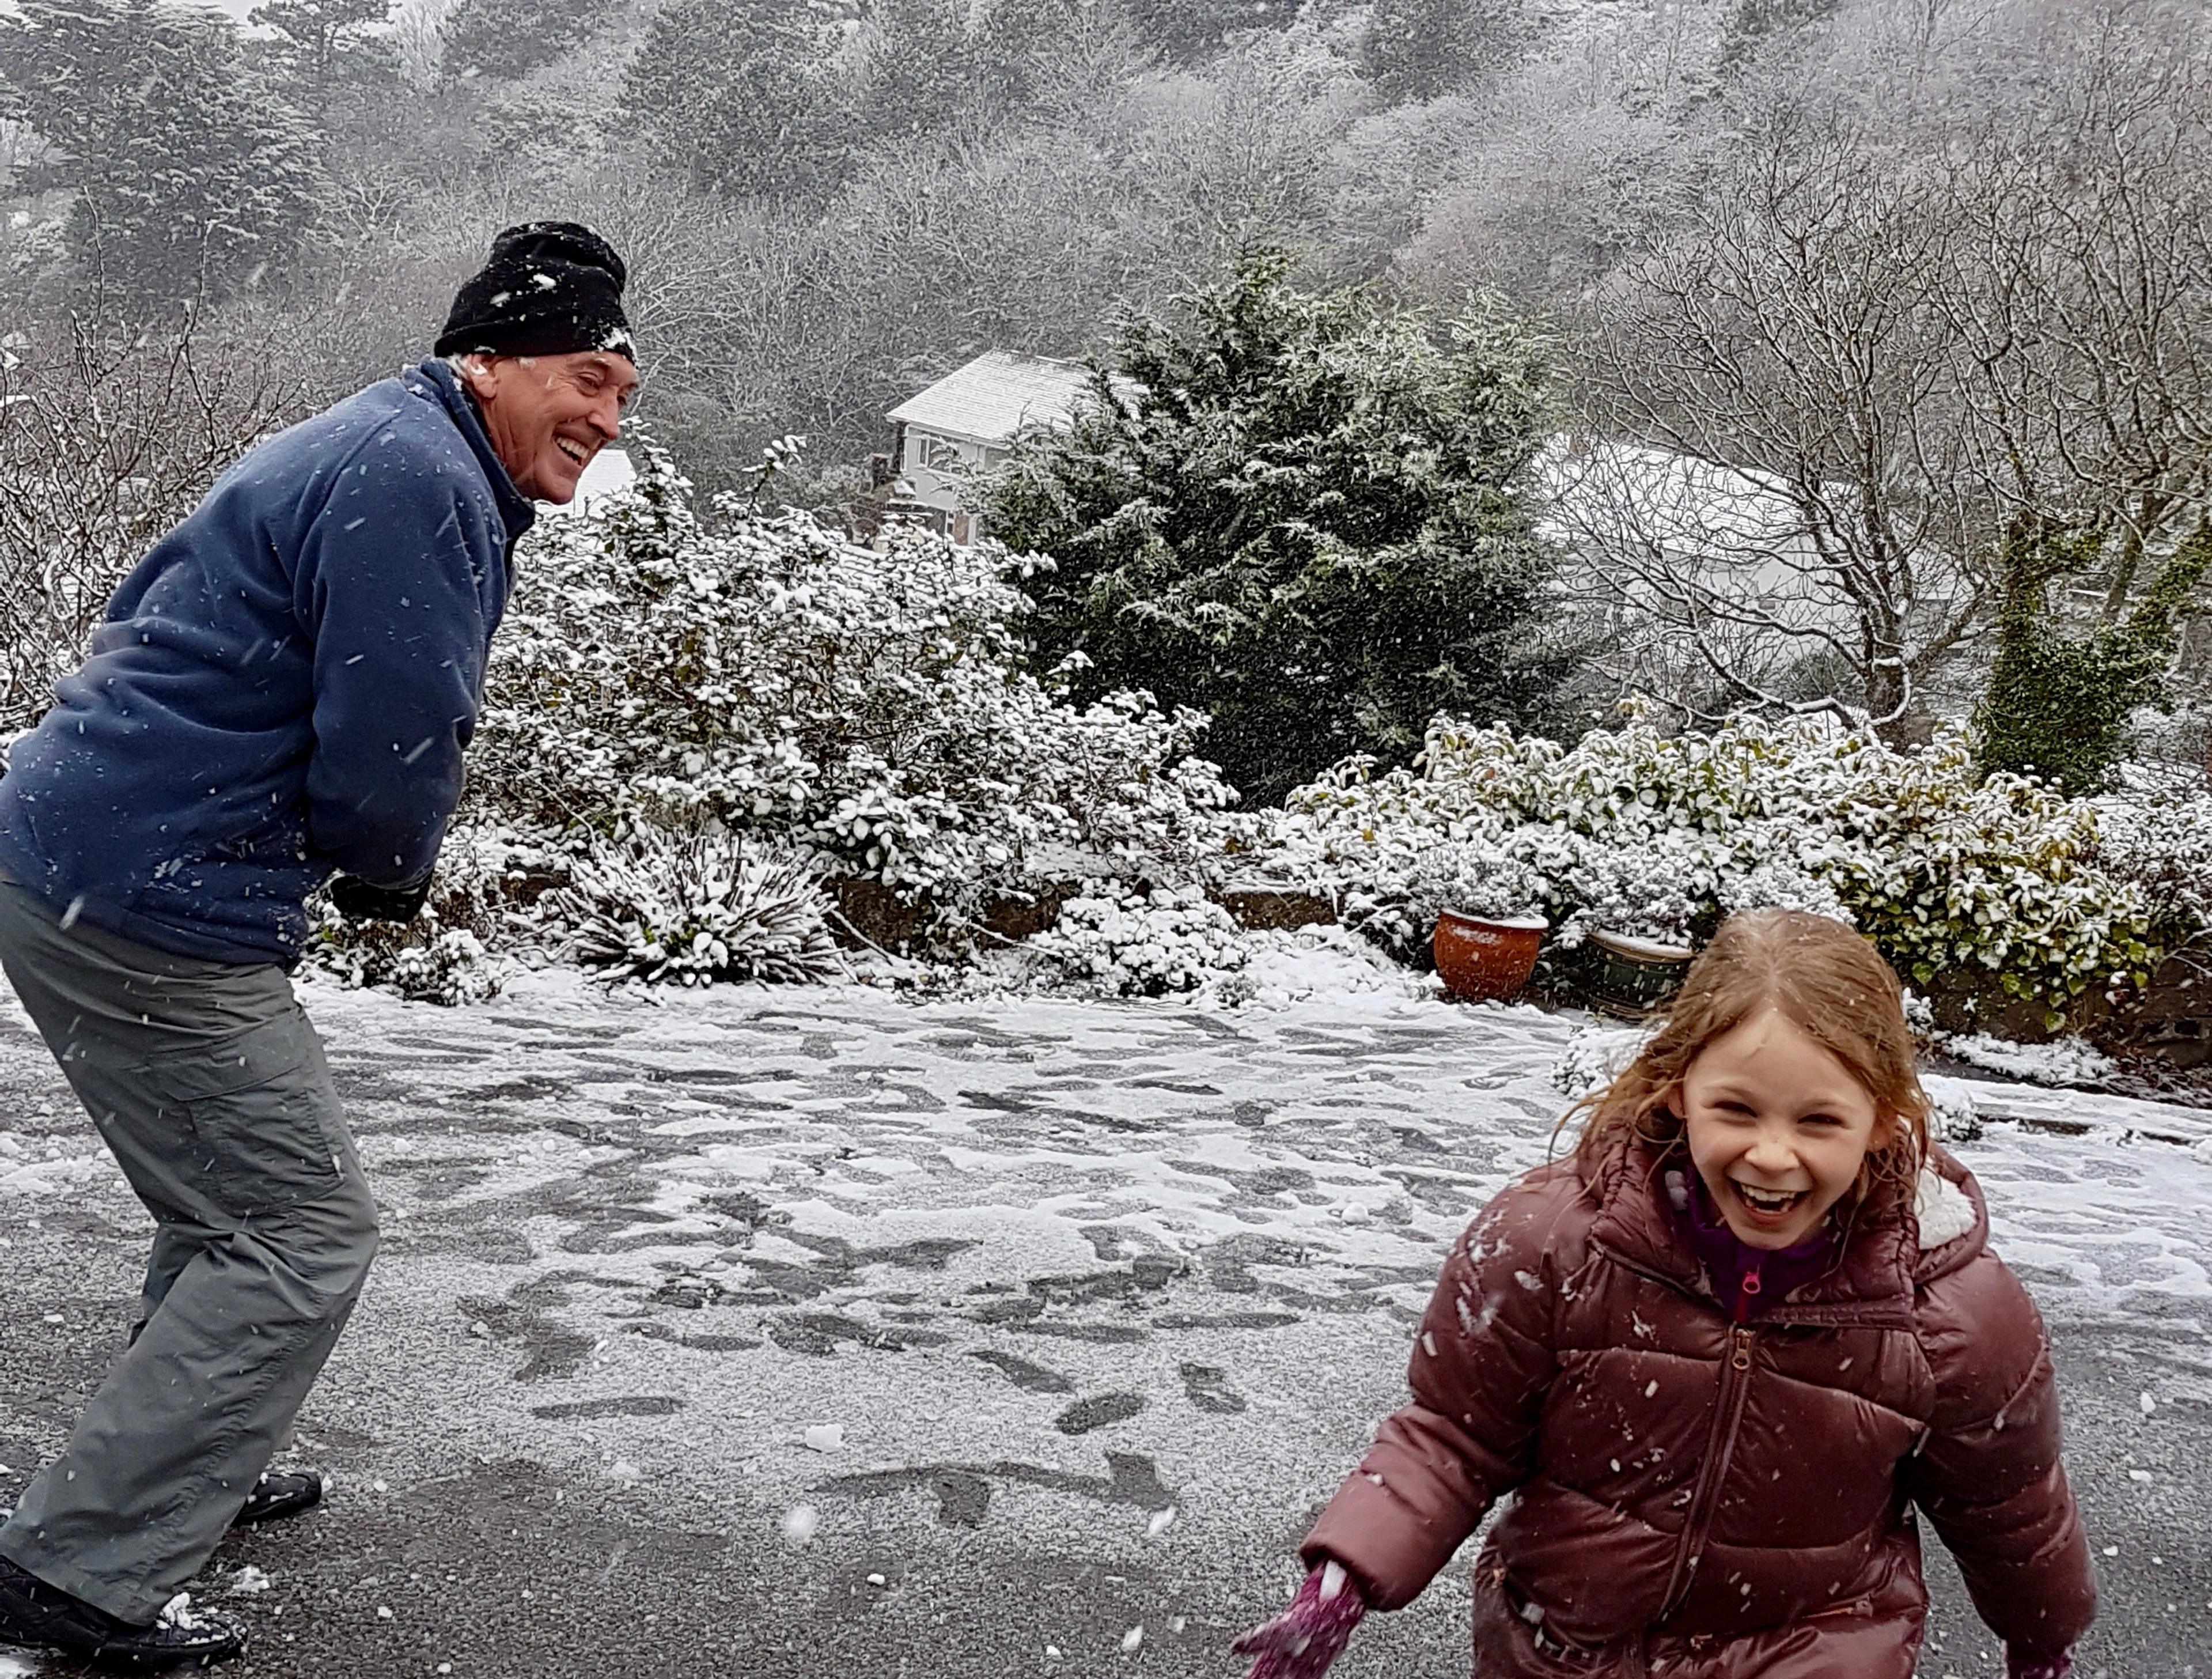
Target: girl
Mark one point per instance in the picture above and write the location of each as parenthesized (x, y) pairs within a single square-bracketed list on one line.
[(1719, 1356)]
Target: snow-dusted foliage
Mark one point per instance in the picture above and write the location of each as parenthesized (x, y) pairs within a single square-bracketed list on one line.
[(867, 706), (1138, 944), (454, 952), (695, 908), (1952, 874), (1594, 1057), (2163, 846), (697, 719), (2066, 1061)]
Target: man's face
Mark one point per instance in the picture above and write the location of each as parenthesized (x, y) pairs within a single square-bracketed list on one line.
[(547, 416)]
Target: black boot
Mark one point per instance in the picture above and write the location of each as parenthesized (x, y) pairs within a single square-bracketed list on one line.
[(279, 1493), (33, 1613)]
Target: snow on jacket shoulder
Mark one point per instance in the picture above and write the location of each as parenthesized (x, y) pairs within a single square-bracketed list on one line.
[(282, 688), (1698, 1491)]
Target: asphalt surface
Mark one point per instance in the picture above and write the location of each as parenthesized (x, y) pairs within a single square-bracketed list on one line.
[(566, 1434)]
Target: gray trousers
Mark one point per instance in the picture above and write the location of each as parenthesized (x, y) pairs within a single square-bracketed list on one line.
[(210, 1087)]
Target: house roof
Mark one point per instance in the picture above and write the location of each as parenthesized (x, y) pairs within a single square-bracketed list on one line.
[(996, 395)]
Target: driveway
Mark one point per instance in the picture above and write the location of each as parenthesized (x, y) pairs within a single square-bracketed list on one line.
[(805, 1332)]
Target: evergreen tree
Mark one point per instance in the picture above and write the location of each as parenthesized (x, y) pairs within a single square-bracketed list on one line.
[(1420, 49), (737, 95), (508, 38), (2058, 705), (322, 40), (1185, 30), (1313, 518), (1756, 25), (189, 173), (922, 69)]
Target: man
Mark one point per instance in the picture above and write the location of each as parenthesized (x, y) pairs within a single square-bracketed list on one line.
[(282, 688)]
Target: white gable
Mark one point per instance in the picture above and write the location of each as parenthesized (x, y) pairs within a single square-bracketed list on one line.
[(994, 396)]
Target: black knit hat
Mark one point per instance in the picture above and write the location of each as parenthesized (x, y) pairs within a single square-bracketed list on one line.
[(550, 288)]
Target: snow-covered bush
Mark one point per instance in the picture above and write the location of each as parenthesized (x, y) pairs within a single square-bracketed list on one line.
[(2163, 846), (1952, 1115), (693, 909), (1594, 1057), (867, 706), (459, 949), (1472, 879), (429, 964), (2066, 1061), (848, 709), (1143, 944), (1994, 880)]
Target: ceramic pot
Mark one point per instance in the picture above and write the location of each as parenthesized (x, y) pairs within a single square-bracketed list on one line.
[(1485, 960), (1630, 977)]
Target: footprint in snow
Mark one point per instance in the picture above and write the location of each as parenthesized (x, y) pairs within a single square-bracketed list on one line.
[(1208, 1389), (594, 1410), (1098, 1412), (1035, 1378)]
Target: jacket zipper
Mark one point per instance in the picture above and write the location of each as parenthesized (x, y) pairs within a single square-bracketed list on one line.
[(1720, 1450)]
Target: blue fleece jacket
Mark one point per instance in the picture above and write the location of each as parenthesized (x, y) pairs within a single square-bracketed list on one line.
[(281, 689)]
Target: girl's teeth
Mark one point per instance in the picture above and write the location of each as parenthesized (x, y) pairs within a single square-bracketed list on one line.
[(1763, 1203)]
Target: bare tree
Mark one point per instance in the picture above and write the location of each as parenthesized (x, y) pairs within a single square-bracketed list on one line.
[(1778, 464), (105, 442), (1820, 400)]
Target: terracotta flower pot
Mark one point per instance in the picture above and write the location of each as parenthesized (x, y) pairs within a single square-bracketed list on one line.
[(1483, 960), (1630, 977)]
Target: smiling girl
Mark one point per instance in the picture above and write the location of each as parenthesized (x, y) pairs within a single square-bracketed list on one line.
[(1719, 1357)]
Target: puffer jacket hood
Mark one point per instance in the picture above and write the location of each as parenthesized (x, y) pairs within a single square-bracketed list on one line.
[(1710, 1498)]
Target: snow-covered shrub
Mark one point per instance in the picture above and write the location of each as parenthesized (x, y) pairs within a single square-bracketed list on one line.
[(2067, 1061), (693, 909), (458, 950), (860, 710), (1996, 879), (868, 706), (1952, 1115), (1594, 1057), (1143, 944), (1651, 888), (430, 963), (2163, 846), (1474, 879)]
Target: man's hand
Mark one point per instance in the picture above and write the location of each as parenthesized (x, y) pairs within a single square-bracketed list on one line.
[(1304, 1638), (358, 901)]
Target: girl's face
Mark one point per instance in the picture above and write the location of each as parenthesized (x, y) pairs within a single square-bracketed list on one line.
[(1778, 1129)]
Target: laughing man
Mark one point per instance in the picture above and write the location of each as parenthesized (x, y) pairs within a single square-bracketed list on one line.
[(280, 692)]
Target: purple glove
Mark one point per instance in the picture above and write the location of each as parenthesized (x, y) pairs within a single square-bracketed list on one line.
[(1304, 1638), (2018, 1666)]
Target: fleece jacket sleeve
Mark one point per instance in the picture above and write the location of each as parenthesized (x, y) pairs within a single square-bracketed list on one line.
[(393, 584), (1482, 1362)]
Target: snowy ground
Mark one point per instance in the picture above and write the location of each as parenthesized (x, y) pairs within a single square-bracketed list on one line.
[(784, 1333)]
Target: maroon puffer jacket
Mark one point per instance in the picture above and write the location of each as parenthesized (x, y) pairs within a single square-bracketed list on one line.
[(1708, 1500)]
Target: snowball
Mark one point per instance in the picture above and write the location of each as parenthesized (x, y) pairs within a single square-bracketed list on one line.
[(801, 1524), (825, 1436)]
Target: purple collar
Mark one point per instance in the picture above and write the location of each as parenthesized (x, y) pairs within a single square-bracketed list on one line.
[(1747, 1280)]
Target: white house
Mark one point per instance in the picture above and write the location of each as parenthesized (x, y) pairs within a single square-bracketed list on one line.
[(960, 426)]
